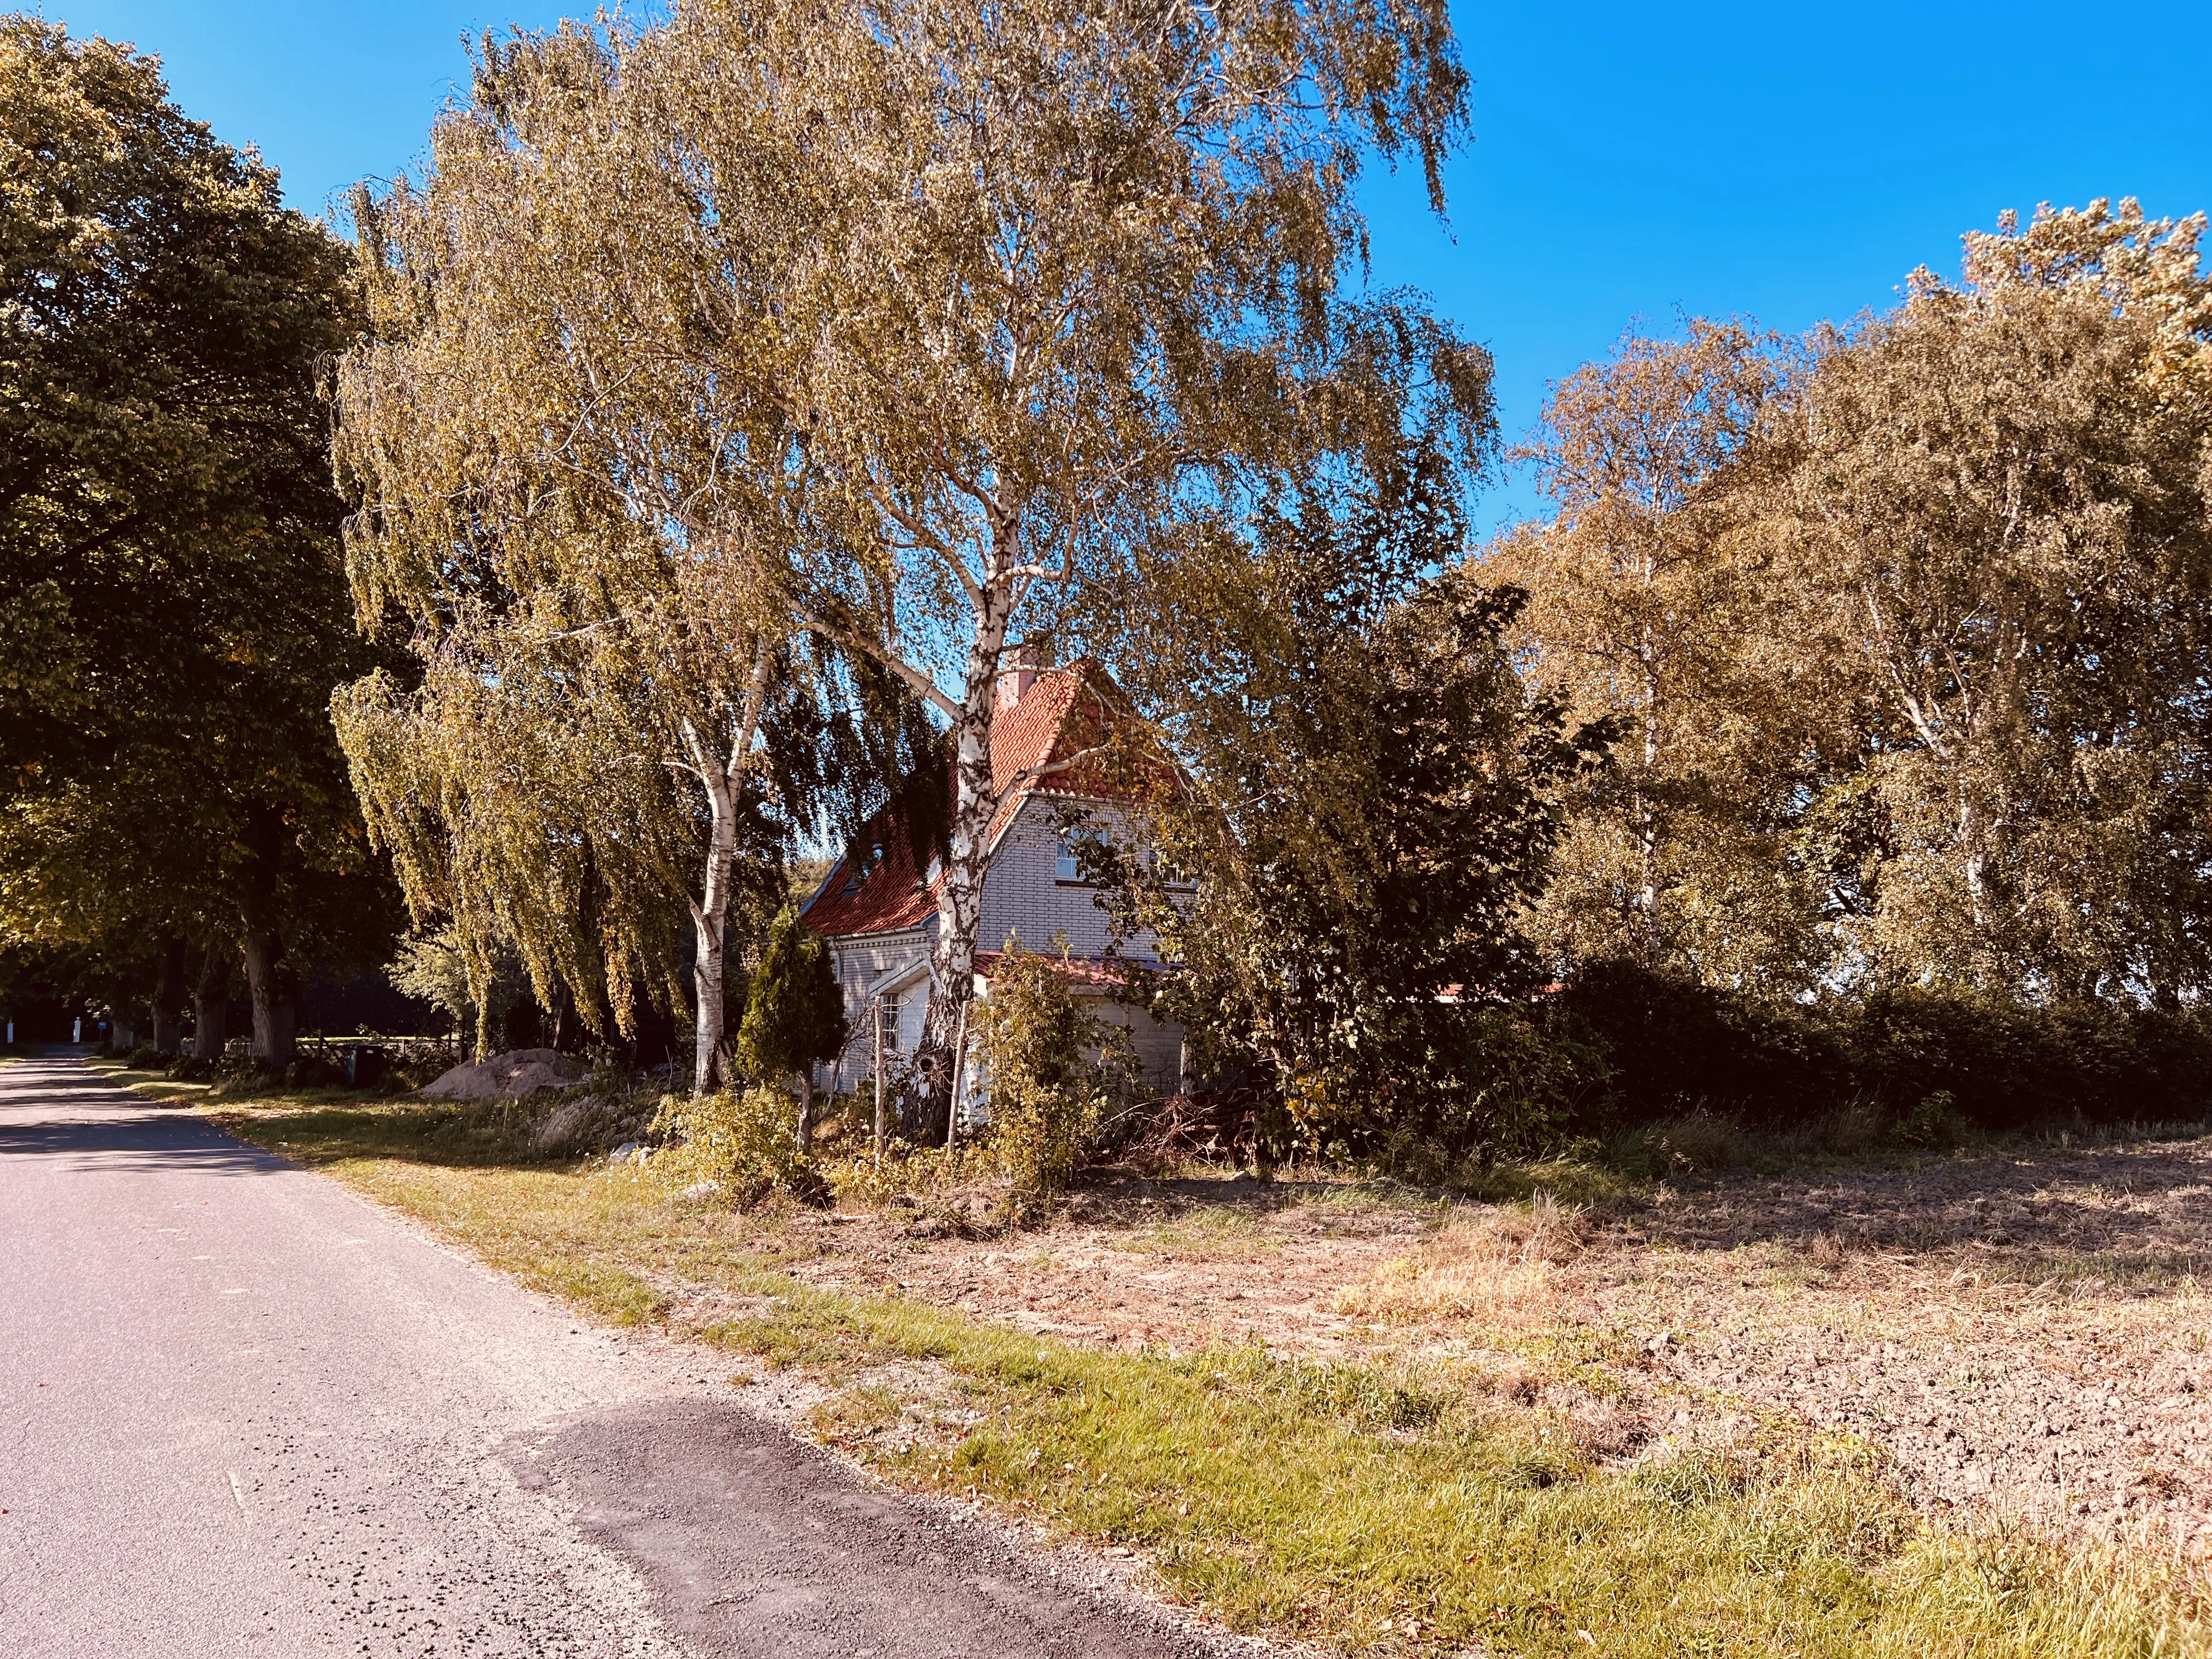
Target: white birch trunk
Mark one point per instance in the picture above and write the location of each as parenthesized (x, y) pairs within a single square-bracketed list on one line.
[(723, 781), (926, 1111)]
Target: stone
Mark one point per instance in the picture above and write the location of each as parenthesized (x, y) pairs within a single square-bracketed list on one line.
[(510, 1076)]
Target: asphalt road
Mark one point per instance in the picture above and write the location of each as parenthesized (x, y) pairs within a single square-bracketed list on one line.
[(243, 1411)]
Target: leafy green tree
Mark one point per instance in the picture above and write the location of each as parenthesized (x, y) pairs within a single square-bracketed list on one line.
[(932, 331), (794, 1013), (567, 483), (172, 613), (1649, 603), (1365, 808), (554, 789), (436, 968), (1994, 549)]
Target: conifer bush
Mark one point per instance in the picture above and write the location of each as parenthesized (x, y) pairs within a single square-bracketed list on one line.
[(795, 1014)]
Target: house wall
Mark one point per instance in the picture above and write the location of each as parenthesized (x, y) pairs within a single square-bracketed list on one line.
[(861, 962), (1022, 894), (1158, 1046), (1025, 895)]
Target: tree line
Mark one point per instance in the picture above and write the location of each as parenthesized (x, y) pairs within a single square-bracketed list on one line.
[(660, 478), (1841, 731)]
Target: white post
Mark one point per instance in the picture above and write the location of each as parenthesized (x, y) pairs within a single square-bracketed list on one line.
[(882, 1127), (959, 1075)]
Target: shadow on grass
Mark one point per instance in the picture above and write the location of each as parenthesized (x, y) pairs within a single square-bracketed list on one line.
[(317, 1126), (2119, 1216)]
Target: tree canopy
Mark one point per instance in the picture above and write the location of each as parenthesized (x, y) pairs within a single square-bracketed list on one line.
[(926, 332), (1913, 626), (172, 612), (1367, 804)]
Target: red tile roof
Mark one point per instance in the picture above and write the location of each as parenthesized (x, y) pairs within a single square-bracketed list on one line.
[(1064, 712), (1105, 971)]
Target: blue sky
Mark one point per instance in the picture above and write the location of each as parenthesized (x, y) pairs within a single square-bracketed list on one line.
[(1790, 161)]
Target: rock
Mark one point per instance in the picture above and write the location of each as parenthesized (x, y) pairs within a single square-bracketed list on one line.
[(630, 1152), (700, 1191), (565, 1124), (507, 1077)]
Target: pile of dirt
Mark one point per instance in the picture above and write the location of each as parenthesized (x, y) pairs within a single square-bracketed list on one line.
[(509, 1076)]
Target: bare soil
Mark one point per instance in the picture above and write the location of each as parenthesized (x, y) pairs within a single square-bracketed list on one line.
[(2020, 1332)]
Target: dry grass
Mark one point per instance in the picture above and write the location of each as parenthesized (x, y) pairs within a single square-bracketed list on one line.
[(1486, 1451), (1494, 1262)]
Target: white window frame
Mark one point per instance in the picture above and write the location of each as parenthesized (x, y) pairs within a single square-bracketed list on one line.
[(1065, 868)]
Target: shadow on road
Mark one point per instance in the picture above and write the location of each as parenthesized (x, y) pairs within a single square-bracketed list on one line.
[(56, 1107), (128, 1141)]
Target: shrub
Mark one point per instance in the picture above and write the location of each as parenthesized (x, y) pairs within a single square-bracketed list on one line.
[(1674, 1049), (1930, 1063), (742, 1141), (142, 1058), (794, 1013), (1934, 1123), (1491, 1081), (313, 1071), (191, 1068), (1054, 1071)]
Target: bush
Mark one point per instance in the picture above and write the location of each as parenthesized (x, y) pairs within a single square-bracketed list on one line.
[(1675, 1049), (745, 1142), (1930, 1064), (191, 1068), (313, 1071), (1052, 1071), (143, 1058), (1491, 1081), (414, 1071)]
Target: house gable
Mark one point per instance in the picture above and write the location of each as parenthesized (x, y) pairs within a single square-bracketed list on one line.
[(1025, 893), (1039, 752)]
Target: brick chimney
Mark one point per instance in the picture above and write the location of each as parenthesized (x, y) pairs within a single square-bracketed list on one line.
[(1017, 672)]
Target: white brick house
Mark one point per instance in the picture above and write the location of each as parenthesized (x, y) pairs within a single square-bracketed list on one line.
[(879, 913)]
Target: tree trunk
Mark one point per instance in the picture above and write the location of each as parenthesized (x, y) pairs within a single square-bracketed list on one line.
[(211, 1001), (1974, 860), (267, 981), (806, 1110), (723, 781), (168, 993), (925, 1106), (270, 986)]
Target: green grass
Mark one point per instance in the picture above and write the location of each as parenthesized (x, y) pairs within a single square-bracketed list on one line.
[(1373, 1508)]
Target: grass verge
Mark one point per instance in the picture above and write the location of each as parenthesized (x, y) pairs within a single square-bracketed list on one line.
[(1369, 1508)]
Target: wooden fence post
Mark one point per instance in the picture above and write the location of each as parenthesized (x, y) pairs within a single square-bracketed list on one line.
[(959, 1075), (881, 1127)]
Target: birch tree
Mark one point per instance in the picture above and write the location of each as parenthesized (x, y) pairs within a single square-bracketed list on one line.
[(1032, 292), (1649, 603), (554, 494), (1999, 540)]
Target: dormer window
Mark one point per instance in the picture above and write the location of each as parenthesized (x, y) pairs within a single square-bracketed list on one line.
[(862, 867)]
